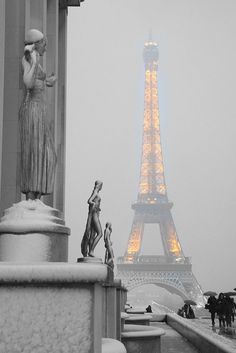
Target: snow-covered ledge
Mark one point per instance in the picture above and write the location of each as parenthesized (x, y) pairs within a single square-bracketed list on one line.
[(110, 345), (138, 319), (52, 307), (142, 338), (32, 231)]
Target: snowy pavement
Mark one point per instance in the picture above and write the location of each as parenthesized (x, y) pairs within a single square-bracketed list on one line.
[(226, 336), (173, 342)]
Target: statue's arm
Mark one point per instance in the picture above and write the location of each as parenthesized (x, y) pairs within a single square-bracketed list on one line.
[(29, 70), (105, 237), (92, 197), (51, 80)]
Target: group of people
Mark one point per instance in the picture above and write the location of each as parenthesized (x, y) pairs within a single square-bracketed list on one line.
[(224, 307), (186, 311)]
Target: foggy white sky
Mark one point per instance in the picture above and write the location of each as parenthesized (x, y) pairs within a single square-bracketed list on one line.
[(197, 81)]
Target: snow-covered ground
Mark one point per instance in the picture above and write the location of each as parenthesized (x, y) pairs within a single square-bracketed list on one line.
[(226, 336)]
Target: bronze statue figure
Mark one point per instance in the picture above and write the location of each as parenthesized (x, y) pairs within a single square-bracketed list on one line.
[(38, 156), (93, 231), (109, 255)]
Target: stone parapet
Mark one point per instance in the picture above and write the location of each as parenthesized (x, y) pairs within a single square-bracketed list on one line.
[(57, 273), (51, 308)]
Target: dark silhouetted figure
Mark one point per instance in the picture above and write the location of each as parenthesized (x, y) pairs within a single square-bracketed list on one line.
[(228, 311), (149, 309), (188, 311), (233, 308), (180, 312), (212, 307), (221, 309)]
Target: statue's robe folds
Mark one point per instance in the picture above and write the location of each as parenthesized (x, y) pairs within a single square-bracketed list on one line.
[(38, 156)]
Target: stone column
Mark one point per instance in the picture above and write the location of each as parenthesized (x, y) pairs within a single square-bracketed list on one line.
[(60, 123), (12, 31), (117, 283), (124, 292), (2, 61), (109, 311)]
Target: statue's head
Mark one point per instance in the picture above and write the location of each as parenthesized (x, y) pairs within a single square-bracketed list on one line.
[(37, 39), (108, 225), (98, 184)]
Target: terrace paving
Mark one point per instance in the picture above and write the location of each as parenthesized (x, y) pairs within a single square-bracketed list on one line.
[(173, 342)]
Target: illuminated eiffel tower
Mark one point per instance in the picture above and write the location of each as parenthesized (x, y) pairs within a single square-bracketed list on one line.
[(172, 270)]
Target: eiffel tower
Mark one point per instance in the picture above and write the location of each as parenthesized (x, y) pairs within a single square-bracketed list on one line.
[(172, 270)]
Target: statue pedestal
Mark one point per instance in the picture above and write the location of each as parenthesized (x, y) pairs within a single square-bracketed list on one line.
[(30, 231), (54, 307), (90, 260), (97, 260)]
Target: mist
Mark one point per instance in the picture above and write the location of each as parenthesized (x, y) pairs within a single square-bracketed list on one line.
[(105, 102)]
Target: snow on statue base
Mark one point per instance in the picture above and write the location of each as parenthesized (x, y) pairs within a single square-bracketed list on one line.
[(30, 231), (89, 259)]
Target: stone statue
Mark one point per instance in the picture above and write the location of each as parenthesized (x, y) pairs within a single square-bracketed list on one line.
[(38, 156), (93, 231), (109, 255)]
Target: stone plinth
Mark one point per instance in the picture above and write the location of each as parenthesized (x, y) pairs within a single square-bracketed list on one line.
[(30, 231), (139, 338), (136, 311), (110, 345), (138, 319), (51, 308)]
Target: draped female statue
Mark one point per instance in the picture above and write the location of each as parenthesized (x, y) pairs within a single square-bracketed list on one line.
[(109, 255), (38, 156), (93, 230)]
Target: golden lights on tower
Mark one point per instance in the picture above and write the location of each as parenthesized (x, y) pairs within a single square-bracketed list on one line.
[(152, 187), (152, 170), (173, 243), (134, 242)]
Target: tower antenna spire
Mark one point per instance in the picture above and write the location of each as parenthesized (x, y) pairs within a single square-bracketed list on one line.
[(150, 35)]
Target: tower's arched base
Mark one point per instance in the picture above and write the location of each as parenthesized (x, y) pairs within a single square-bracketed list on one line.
[(176, 278)]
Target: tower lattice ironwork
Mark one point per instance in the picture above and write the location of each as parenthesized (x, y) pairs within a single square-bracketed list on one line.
[(172, 270)]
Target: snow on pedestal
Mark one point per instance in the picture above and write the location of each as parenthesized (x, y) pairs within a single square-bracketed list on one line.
[(110, 345), (32, 231), (141, 338)]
